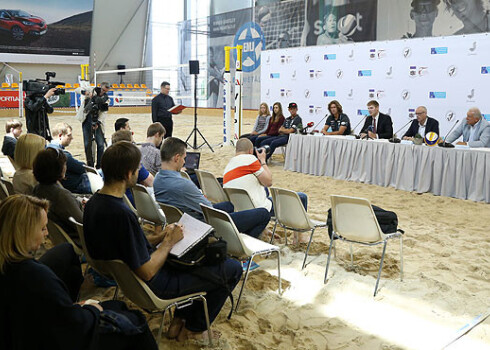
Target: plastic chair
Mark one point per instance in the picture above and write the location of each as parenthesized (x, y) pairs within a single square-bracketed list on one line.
[(147, 207), (291, 215), (68, 86), (9, 186), (139, 293), (172, 214), (129, 86), (58, 236), (185, 175), (129, 204), (239, 198), (96, 181), (240, 245), (136, 86), (115, 86), (5, 85), (363, 230), (15, 85), (14, 164), (3, 192), (210, 187)]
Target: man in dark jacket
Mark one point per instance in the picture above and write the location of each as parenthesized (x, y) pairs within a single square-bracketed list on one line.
[(377, 125), (422, 125), (160, 106), (37, 109)]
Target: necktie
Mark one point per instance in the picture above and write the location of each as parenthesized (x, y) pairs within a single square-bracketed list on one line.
[(374, 125)]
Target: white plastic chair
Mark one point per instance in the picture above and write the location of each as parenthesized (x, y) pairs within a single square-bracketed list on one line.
[(172, 214), (239, 198), (58, 236), (147, 207), (185, 175), (291, 215), (240, 245), (8, 185), (210, 187), (96, 181), (139, 293), (354, 221)]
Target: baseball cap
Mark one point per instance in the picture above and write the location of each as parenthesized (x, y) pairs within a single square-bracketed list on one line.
[(293, 105)]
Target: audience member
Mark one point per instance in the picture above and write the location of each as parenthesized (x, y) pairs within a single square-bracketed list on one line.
[(49, 168), (26, 150), (171, 188), (150, 150), (76, 179), (422, 125), (377, 125), (37, 297), (112, 231), (122, 124), (338, 122), (275, 124), (476, 130), (262, 121), (13, 129)]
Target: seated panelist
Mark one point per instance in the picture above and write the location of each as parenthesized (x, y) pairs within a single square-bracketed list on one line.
[(476, 130), (337, 122), (422, 125), (377, 125)]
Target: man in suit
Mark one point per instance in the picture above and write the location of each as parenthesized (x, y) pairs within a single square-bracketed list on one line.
[(422, 125), (476, 130), (377, 125)]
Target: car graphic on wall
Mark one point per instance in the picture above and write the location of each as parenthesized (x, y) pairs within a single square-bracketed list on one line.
[(20, 24)]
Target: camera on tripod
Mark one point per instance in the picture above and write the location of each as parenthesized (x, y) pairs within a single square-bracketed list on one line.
[(39, 87), (97, 104)]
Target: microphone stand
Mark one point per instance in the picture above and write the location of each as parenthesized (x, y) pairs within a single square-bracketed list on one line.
[(313, 131), (352, 132), (447, 144), (396, 139)]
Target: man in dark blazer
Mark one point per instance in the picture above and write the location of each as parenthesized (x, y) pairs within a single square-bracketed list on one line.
[(377, 125), (422, 125)]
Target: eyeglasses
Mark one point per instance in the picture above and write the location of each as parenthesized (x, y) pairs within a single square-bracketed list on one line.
[(419, 113)]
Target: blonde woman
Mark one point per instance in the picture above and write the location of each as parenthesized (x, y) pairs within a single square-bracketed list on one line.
[(38, 308), (26, 150), (262, 121)]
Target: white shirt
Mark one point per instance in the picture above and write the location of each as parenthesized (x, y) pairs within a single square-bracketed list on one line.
[(473, 130), (421, 131)]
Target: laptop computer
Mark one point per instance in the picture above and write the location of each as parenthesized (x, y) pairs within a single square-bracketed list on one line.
[(192, 161)]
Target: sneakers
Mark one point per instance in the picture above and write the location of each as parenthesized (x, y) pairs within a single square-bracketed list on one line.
[(253, 266)]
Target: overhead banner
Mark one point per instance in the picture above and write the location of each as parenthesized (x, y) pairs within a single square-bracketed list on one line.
[(49, 31), (448, 75)]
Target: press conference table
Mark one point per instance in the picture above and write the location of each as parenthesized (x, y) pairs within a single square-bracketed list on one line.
[(450, 172)]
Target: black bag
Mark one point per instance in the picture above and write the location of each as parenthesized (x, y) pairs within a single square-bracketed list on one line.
[(388, 220)]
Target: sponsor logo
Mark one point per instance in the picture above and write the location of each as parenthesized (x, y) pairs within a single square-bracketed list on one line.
[(339, 74), (307, 58), (362, 112), (314, 110), (9, 98), (376, 93), (275, 75), (485, 69), (315, 73), (449, 115), (411, 113), (286, 93), (307, 93), (293, 75), (418, 71), (364, 73), (268, 93), (405, 95), (407, 52), (286, 59), (350, 94), (330, 57), (437, 94), (329, 93), (471, 95), (389, 72), (252, 39), (438, 50), (350, 57), (452, 70), (486, 116), (268, 59), (371, 93), (374, 54), (472, 49)]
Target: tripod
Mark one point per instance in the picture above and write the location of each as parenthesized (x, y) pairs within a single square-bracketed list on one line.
[(196, 131)]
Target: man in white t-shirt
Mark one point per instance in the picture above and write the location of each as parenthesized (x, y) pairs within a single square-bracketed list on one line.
[(249, 172)]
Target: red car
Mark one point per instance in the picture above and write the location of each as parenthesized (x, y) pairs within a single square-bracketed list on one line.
[(19, 24)]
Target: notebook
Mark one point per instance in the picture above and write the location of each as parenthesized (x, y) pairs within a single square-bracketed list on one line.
[(194, 231)]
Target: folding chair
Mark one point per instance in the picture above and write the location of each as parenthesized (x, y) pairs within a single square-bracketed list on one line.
[(240, 245), (130, 205), (363, 230), (172, 214), (58, 236), (185, 175), (239, 198), (291, 215), (9, 186), (96, 181), (210, 187), (147, 207), (139, 293)]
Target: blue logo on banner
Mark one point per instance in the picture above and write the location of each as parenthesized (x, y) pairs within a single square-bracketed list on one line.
[(362, 112), (438, 50), (252, 39), (364, 73), (275, 75), (485, 69), (330, 56), (486, 116), (437, 94), (329, 93)]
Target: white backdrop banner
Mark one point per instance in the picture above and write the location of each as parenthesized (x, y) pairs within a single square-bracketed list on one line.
[(448, 75)]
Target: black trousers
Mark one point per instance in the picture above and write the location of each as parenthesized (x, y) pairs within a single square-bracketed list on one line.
[(168, 124)]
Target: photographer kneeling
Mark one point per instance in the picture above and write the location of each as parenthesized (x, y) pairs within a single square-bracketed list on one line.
[(95, 107)]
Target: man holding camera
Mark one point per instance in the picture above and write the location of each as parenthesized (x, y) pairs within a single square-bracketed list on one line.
[(37, 110), (96, 105)]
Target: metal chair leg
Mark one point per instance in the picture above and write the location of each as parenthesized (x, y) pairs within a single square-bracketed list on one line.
[(273, 232), (206, 315), (380, 267), (279, 270), (286, 235), (328, 259), (116, 292), (351, 256), (243, 284), (401, 257), (159, 336), (308, 248)]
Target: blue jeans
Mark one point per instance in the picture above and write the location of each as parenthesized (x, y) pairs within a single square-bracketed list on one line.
[(258, 140), (251, 222), (273, 142), (87, 142)]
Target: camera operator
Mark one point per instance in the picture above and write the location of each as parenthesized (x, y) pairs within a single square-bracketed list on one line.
[(37, 110), (95, 107)]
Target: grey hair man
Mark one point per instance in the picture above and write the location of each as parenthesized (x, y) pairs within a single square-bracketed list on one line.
[(475, 132)]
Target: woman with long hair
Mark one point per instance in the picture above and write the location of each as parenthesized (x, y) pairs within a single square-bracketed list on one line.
[(275, 123), (26, 150), (262, 121)]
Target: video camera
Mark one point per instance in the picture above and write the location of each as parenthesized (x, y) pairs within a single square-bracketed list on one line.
[(97, 104), (39, 87)]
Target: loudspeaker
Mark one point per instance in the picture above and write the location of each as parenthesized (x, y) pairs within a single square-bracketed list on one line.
[(121, 66), (194, 67)]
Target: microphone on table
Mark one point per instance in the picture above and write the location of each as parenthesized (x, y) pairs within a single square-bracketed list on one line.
[(305, 129), (352, 132), (314, 128), (396, 139), (447, 144)]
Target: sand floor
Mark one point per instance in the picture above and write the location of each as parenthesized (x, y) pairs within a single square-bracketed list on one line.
[(446, 268)]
